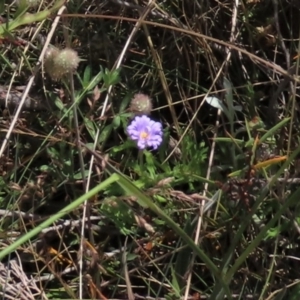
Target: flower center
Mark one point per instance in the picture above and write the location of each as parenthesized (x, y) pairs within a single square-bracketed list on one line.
[(144, 135)]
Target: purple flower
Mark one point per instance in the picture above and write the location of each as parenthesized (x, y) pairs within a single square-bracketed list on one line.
[(146, 132)]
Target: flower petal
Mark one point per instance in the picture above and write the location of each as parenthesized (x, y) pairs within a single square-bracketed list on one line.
[(146, 132)]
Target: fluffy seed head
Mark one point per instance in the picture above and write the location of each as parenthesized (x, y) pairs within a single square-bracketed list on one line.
[(141, 104), (50, 55), (61, 62), (67, 59)]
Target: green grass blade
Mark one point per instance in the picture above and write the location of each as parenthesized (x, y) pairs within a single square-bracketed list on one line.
[(228, 256), (292, 200), (147, 202), (273, 130), (57, 216)]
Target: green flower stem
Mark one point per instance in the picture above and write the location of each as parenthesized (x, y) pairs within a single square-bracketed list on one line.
[(141, 159)]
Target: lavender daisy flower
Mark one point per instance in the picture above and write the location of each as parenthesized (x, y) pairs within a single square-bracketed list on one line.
[(146, 132)]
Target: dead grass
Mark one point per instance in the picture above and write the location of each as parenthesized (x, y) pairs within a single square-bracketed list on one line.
[(179, 53)]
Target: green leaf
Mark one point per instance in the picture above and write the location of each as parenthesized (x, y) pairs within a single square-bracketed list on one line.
[(58, 103), (91, 127), (45, 168), (105, 133), (111, 77), (125, 102), (175, 284), (131, 257), (79, 175), (160, 199), (116, 122), (30, 18), (88, 86), (22, 8), (86, 76)]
